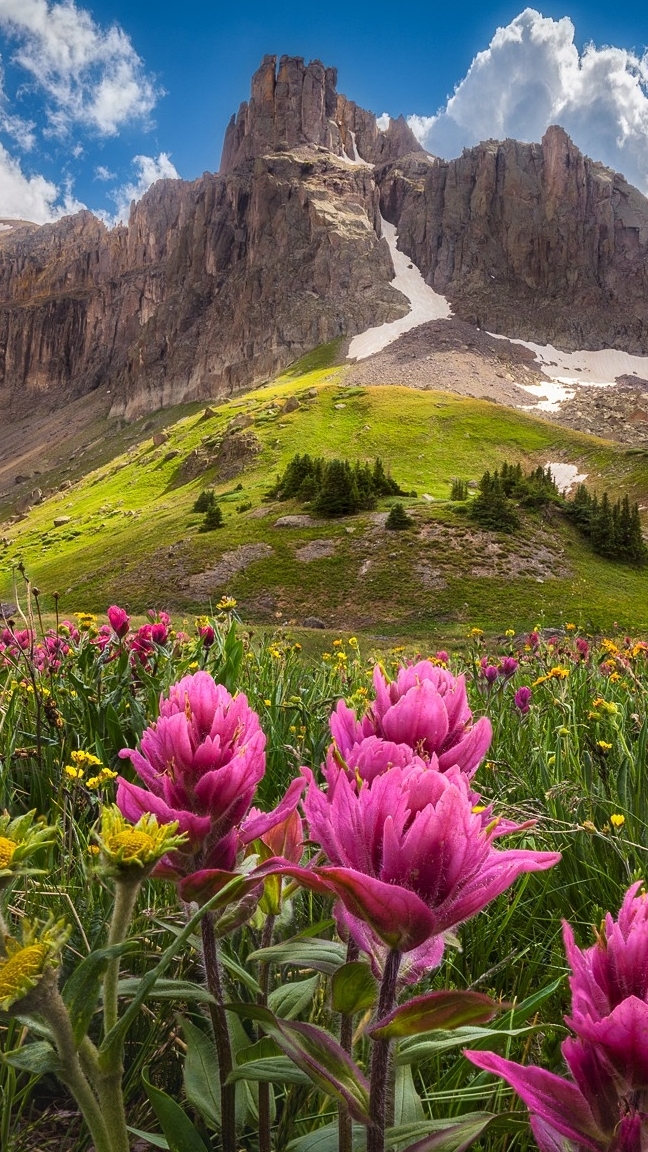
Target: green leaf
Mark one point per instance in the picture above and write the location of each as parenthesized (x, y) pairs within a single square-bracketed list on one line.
[(270, 1069), (82, 988), (168, 990), (175, 1124), (288, 1000), (354, 988), (321, 955), (201, 1079), (318, 1055), (438, 1010), (408, 1107), (325, 1139), (150, 1137), (37, 1059), (413, 1051), (444, 1136)]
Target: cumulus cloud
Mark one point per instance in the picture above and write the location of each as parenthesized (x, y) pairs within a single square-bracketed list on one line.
[(532, 75), (31, 197), (148, 169), (89, 75)]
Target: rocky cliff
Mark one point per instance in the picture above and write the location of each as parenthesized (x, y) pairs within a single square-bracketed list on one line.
[(530, 240), (216, 284)]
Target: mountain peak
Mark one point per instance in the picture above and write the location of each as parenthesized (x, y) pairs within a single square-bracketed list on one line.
[(293, 104)]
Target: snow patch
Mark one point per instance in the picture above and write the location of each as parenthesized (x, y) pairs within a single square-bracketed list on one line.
[(425, 303), (600, 369), (565, 476)]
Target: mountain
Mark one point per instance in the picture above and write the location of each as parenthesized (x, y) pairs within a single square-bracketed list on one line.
[(216, 284)]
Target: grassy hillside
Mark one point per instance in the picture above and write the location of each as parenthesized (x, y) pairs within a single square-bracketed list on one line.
[(132, 536)]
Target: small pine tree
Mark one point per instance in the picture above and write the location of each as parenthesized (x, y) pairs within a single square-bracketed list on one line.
[(213, 518), (398, 519), (458, 490), (338, 495), (205, 501), (491, 508)]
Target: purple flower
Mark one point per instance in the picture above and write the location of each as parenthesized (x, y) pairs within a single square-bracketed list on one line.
[(119, 620), (522, 699), (490, 673), (604, 1107), (408, 856), (424, 708), (201, 763), (509, 666)]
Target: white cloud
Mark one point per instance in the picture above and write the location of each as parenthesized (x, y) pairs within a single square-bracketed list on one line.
[(103, 173), (90, 75), (31, 197), (532, 75), (148, 169)]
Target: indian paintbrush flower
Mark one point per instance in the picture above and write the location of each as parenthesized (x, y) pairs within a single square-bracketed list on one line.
[(119, 620), (522, 699), (425, 708), (605, 1106)]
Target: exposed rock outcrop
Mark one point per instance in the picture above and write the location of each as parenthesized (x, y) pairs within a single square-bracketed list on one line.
[(530, 240), (213, 285)]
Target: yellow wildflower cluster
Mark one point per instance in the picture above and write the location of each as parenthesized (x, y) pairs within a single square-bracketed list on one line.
[(605, 705), (570, 627), (226, 604), (25, 962), (87, 622), (610, 647), (556, 673), (134, 848), (20, 838), (603, 745), (81, 761)]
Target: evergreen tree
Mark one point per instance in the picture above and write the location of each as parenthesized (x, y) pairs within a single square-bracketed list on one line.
[(491, 508), (205, 501), (338, 494), (398, 518), (213, 518), (458, 490)]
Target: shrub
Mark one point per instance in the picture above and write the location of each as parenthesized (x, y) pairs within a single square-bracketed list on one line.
[(458, 489), (398, 518), (491, 508), (213, 518)]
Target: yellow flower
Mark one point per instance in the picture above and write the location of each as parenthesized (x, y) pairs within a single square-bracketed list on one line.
[(593, 715), (610, 647), (617, 820), (337, 643), (476, 632), (510, 632), (134, 848), (297, 647), (614, 676), (558, 673), (226, 603), (267, 703), (23, 964), (104, 776), (603, 745), (477, 808), (589, 826), (19, 839), (570, 627), (353, 641), (73, 772), (84, 759)]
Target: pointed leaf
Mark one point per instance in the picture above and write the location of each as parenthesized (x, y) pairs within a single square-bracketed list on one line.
[(37, 1059), (150, 1137), (270, 1070), (354, 988), (288, 1000), (408, 1107), (175, 1123), (318, 1055), (168, 990), (201, 1081), (321, 955), (413, 1051), (438, 1010), (456, 1137), (82, 989)]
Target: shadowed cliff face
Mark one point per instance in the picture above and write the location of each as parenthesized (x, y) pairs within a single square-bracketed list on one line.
[(530, 240), (213, 285)]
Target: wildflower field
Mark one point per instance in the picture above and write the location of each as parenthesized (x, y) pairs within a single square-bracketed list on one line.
[(254, 901)]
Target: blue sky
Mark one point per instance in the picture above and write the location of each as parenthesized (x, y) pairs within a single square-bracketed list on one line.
[(98, 100)]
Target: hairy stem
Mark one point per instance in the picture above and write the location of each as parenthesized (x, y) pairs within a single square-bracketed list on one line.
[(380, 1062), (345, 1129), (57, 1016), (221, 1034), (265, 1144), (110, 1085)]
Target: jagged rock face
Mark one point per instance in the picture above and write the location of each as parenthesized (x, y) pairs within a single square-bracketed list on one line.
[(295, 104), (529, 240), (213, 285)]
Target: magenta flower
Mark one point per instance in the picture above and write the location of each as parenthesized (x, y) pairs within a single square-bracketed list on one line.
[(425, 708), (605, 1107), (522, 699), (201, 763), (490, 673), (119, 620), (408, 856), (509, 666)]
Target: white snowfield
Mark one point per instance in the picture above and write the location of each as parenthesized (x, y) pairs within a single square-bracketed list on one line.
[(594, 369), (426, 304), (565, 476)]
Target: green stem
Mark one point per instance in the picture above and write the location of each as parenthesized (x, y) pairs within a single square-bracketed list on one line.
[(265, 1137), (345, 1124), (221, 1034), (57, 1016), (380, 1058), (110, 1084)]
